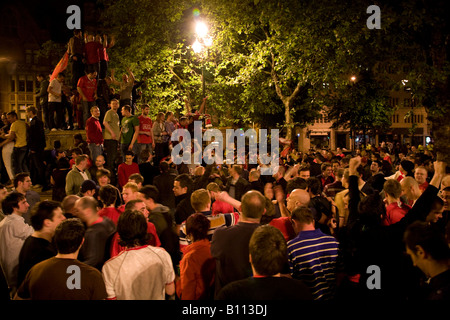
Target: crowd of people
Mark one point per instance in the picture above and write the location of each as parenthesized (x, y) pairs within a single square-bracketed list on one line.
[(133, 225), (311, 231)]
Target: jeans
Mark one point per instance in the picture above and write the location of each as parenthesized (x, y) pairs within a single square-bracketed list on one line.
[(37, 167), (110, 149), (143, 146), (58, 122), (19, 160), (77, 71), (103, 69), (95, 150), (44, 107), (161, 150), (124, 148)]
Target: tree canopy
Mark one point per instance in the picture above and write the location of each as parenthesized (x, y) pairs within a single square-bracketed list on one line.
[(281, 62)]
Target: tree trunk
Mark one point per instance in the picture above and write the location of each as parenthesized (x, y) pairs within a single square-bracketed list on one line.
[(287, 116)]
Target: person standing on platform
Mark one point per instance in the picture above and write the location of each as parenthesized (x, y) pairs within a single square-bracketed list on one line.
[(94, 134), (145, 137), (111, 121), (55, 105), (36, 142), (129, 132), (87, 88)]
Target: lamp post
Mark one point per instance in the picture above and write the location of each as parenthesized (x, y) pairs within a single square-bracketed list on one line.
[(202, 42)]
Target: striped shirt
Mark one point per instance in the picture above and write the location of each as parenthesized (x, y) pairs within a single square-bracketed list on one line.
[(312, 258), (216, 220)]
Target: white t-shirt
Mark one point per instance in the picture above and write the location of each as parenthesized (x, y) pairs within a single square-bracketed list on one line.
[(139, 273), (55, 86)]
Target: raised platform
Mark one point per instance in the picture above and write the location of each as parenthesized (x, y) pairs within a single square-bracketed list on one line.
[(64, 136)]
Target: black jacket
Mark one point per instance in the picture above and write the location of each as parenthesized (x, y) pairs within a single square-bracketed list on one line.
[(164, 184), (36, 135)]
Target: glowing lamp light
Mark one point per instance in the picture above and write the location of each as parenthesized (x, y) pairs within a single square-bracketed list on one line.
[(353, 78), (201, 29), (208, 41), (197, 47)]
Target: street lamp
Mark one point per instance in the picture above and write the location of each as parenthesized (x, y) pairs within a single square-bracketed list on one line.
[(202, 42)]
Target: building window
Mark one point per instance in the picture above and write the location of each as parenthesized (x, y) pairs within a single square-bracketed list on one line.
[(36, 57), (29, 84), (13, 85), (21, 85), (28, 56)]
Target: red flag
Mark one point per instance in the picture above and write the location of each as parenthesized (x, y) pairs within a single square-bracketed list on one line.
[(61, 66)]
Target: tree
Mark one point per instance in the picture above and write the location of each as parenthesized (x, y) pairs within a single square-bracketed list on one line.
[(153, 39)]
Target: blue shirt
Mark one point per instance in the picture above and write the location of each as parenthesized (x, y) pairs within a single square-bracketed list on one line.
[(312, 258)]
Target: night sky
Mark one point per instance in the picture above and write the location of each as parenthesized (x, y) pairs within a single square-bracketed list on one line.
[(51, 15)]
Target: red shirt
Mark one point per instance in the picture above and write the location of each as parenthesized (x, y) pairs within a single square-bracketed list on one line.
[(285, 226), (394, 213), (221, 207), (197, 269), (124, 171), (91, 52), (102, 54), (89, 87), (145, 125), (111, 213), (94, 132), (423, 186)]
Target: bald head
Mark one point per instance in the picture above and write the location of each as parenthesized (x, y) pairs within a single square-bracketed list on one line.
[(253, 205), (298, 198), (410, 188), (68, 204), (445, 182)]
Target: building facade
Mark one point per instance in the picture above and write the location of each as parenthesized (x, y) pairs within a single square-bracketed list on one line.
[(20, 63)]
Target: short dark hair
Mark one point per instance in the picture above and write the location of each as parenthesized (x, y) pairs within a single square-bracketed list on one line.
[(80, 158), (164, 166), (130, 204), (150, 192), (32, 109), (197, 225), (419, 233), (127, 108), (103, 172), (108, 194), (314, 185), (11, 201), (296, 183), (76, 150), (132, 229), (253, 204), (129, 153), (324, 166), (136, 177), (303, 215), (144, 155), (41, 211), (268, 250), (69, 235), (185, 180), (12, 113), (393, 188), (20, 177)]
